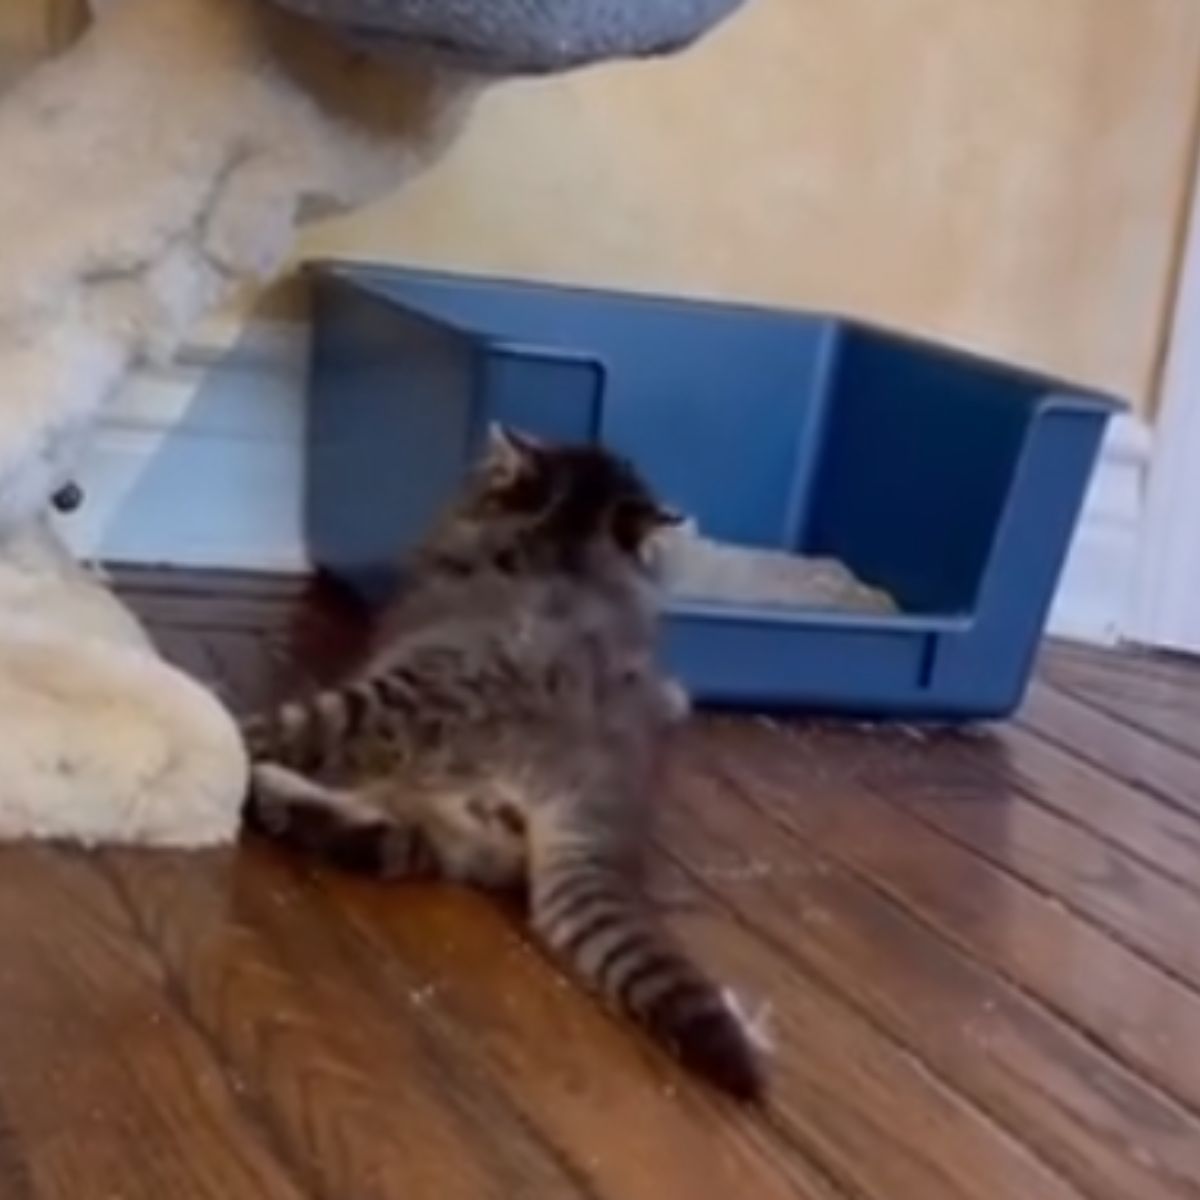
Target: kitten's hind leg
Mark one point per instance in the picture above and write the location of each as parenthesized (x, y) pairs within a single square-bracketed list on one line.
[(340, 825)]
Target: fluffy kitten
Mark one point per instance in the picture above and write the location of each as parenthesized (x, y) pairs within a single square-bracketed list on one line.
[(507, 733)]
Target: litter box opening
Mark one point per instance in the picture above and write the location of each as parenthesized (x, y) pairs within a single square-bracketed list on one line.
[(918, 462)]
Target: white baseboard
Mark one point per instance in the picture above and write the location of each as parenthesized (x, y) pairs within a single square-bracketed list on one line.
[(1095, 597), (201, 465)]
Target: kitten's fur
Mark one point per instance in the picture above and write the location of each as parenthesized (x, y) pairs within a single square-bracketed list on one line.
[(507, 733)]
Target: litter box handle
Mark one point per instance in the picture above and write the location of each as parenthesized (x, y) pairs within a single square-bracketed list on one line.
[(579, 364)]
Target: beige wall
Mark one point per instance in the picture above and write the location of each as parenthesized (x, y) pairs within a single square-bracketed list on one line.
[(1009, 173)]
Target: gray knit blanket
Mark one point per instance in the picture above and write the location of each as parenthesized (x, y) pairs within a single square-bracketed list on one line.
[(521, 36)]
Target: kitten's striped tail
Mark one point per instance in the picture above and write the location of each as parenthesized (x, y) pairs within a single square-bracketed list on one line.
[(303, 733), (589, 918)]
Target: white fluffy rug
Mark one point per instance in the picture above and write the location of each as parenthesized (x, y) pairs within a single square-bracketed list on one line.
[(154, 168), (101, 740), (147, 173)]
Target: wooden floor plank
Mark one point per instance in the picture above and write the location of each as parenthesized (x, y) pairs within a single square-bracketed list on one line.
[(1126, 753), (212, 586), (838, 1165), (808, 783), (587, 1079), (367, 1097), (169, 610), (1137, 683), (1160, 836), (188, 651), (879, 1120), (835, 1125), (1168, 679), (1160, 707), (977, 949), (1095, 1121), (105, 1088), (247, 674), (940, 783)]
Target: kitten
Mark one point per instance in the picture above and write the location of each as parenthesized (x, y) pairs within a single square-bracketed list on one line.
[(507, 732)]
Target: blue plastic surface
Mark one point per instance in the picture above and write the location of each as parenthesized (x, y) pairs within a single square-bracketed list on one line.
[(951, 481)]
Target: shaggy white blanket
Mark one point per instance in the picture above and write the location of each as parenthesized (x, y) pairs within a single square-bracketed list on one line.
[(152, 169), (101, 740)]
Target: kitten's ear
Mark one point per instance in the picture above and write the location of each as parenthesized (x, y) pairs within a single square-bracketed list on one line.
[(509, 452)]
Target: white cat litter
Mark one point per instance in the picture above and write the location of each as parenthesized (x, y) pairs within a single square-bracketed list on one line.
[(688, 564)]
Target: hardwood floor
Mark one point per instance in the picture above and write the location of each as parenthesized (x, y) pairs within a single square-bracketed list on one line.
[(982, 953)]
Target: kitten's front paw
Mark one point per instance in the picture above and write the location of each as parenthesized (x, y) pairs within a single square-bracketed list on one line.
[(265, 816), (677, 704), (267, 809)]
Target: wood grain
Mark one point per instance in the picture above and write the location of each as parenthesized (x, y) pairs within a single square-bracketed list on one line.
[(106, 1088), (1132, 667), (940, 784), (1162, 837), (371, 1100), (1034, 1074), (1127, 753), (564, 1063), (977, 953), (809, 782), (1150, 692)]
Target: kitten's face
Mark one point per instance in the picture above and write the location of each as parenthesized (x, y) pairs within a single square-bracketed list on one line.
[(579, 493)]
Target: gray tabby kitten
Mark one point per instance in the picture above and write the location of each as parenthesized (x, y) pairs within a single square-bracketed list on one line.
[(507, 734)]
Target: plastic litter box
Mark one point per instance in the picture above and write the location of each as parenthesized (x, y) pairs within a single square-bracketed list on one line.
[(950, 481)]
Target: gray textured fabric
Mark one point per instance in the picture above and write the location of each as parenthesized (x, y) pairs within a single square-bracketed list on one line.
[(521, 36)]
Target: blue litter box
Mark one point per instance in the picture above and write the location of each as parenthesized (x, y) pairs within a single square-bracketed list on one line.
[(952, 482)]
